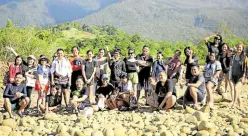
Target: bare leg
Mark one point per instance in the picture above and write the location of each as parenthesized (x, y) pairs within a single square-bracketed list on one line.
[(193, 93), (91, 94), (210, 97), (135, 89), (232, 92), (138, 94), (66, 93), (219, 83), (24, 104), (170, 102), (7, 105)]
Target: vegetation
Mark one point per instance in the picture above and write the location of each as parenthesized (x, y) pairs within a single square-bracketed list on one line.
[(33, 40)]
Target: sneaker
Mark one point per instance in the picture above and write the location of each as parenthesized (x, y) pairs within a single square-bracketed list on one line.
[(162, 111)]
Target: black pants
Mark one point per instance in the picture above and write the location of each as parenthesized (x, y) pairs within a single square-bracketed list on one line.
[(29, 92)]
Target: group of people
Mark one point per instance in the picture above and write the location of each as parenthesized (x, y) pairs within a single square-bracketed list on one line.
[(107, 81)]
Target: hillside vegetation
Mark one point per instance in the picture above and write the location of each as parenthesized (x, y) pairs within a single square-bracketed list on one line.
[(47, 12), (33, 40), (174, 20)]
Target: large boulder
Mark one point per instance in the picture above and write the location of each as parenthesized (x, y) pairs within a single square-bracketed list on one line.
[(9, 122)]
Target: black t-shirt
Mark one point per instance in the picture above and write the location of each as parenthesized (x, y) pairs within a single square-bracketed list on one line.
[(80, 93), (225, 62), (107, 90), (89, 67), (161, 91), (145, 71), (130, 66), (53, 100), (189, 65)]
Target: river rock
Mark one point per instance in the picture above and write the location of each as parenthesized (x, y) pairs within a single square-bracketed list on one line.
[(191, 119), (14, 133), (204, 125), (232, 134), (186, 130), (5, 129), (97, 133), (26, 133), (109, 132), (167, 133), (189, 110), (51, 116), (200, 116), (9, 122), (202, 133), (120, 131)]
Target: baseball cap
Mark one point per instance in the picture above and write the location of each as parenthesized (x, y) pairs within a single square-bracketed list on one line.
[(105, 76)]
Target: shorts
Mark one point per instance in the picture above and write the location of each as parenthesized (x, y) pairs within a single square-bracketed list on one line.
[(84, 104), (215, 81), (63, 86), (160, 100), (15, 105), (133, 77), (189, 98)]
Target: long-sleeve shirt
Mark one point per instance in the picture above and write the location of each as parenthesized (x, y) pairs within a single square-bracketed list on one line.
[(11, 90)]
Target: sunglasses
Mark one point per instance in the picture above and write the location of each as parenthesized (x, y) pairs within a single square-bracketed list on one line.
[(130, 53)]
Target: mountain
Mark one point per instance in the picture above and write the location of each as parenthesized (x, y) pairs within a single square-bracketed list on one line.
[(47, 12), (174, 20)]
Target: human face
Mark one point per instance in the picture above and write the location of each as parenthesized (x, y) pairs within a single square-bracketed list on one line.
[(195, 71), (18, 61), (162, 77), (116, 55), (131, 55), (217, 40), (188, 51), (79, 83), (18, 79), (43, 62), (30, 61), (90, 55), (151, 80), (145, 51), (176, 54), (105, 81), (224, 48), (160, 57), (123, 80), (53, 91), (75, 51), (101, 53), (212, 57), (239, 48), (60, 54)]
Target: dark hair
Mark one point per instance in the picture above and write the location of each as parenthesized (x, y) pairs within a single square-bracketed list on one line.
[(75, 47), (18, 73), (17, 58), (101, 49), (212, 52), (195, 65), (145, 46), (60, 49), (185, 49), (123, 75), (228, 47), (160, 53), (218, 35), (42, 55), (89, 51), (178, 52)]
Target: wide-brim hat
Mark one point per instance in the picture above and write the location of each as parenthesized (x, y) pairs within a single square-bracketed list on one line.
[(43, 58)]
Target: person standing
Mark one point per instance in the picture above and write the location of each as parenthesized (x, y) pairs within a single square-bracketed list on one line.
[(76, 64), (191, 60), (237, 74), (88, 71), (145, 62), (158, 66), (61, 74)]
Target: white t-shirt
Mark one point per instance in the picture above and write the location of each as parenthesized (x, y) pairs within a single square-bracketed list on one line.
[(62, 67), (126, 87)]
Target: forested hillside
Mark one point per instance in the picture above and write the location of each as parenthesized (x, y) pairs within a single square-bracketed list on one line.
[(33, 40), (47, 12), (174, 20)]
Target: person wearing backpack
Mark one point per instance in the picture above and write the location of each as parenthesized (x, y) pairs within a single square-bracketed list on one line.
[(212, 72)]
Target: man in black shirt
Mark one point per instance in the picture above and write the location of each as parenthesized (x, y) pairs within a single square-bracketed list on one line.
[(166, 92), (145, 62), (15, 96)]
